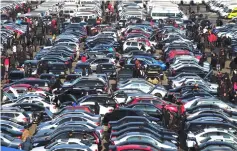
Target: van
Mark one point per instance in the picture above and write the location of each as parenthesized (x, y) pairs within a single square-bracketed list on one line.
[(158, 13), (69, 11), (233, 12)]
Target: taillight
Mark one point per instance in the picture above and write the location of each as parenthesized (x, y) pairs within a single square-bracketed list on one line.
[(110, 110), (105, 88), (112, 142), (19, 146), (101, 131), (113, 136), (7, 81), (117, 106), (19, 137), (182, 109), (113, 131), (98, 124), (66, 62), (96, 140), (26, 120)]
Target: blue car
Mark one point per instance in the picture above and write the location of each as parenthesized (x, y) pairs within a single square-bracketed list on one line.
[(147, 60)]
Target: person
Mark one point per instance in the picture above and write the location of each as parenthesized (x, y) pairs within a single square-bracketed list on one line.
[(29, 70), (6, 65), (25, 133), (214, 60), (198, 8), (74, 104), (83, 58), (27, 145), (222, 59), (14, 50), (153, 80)]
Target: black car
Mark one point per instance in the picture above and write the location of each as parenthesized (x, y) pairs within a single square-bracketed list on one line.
[(16, 75), (65, 134), (57, 68), (148, 108), (71, 77), (120, 113), (89, 83), (107, 68), (83, 69), (47, 76)]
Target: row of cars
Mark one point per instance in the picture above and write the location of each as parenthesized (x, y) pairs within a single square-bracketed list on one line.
[(225, 9)]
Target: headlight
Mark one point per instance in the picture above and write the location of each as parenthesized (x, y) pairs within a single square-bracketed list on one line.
[(50, 72), (62, 72)]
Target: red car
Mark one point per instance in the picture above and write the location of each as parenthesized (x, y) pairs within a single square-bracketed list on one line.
[(158, 103), (173, 53), (134, 147), (72, 108)]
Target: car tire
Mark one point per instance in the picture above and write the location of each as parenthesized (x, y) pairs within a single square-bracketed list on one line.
[(158, 95)]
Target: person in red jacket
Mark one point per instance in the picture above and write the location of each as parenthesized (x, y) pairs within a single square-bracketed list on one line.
[(6, 63), (83, 58)]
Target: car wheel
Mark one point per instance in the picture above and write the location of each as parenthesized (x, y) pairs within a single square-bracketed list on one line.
[(158, 95)]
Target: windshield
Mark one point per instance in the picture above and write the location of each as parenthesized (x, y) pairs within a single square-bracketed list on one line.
[(57, 67), (108, 67), (163, 14), (47, 77), (90, 60), (82, 67), (16, 75)]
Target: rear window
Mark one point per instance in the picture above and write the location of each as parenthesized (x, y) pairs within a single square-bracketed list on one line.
[(39, 83), (16, 75), (90, 83), (108, 67), (57, 67), (47, 77), (71, 78)]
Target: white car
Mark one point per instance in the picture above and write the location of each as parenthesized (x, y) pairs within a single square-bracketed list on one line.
[(188, 58), (178, 83), (95, 62), (93, 147), (210, 101), (215, 133), (131, 44), (144, 86), (36, 100), (147, 137), (103, 109), (53, 124)]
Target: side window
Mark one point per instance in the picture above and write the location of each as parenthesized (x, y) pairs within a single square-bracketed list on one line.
[(145, 101), (8, 115), (97, 61), (63, 121), (150, 108), (104, 61), (135, 85), (38, 103), (156, 102), (139, 107), (128, 43)]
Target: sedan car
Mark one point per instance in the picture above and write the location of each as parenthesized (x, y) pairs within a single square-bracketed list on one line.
[(143, 85)]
